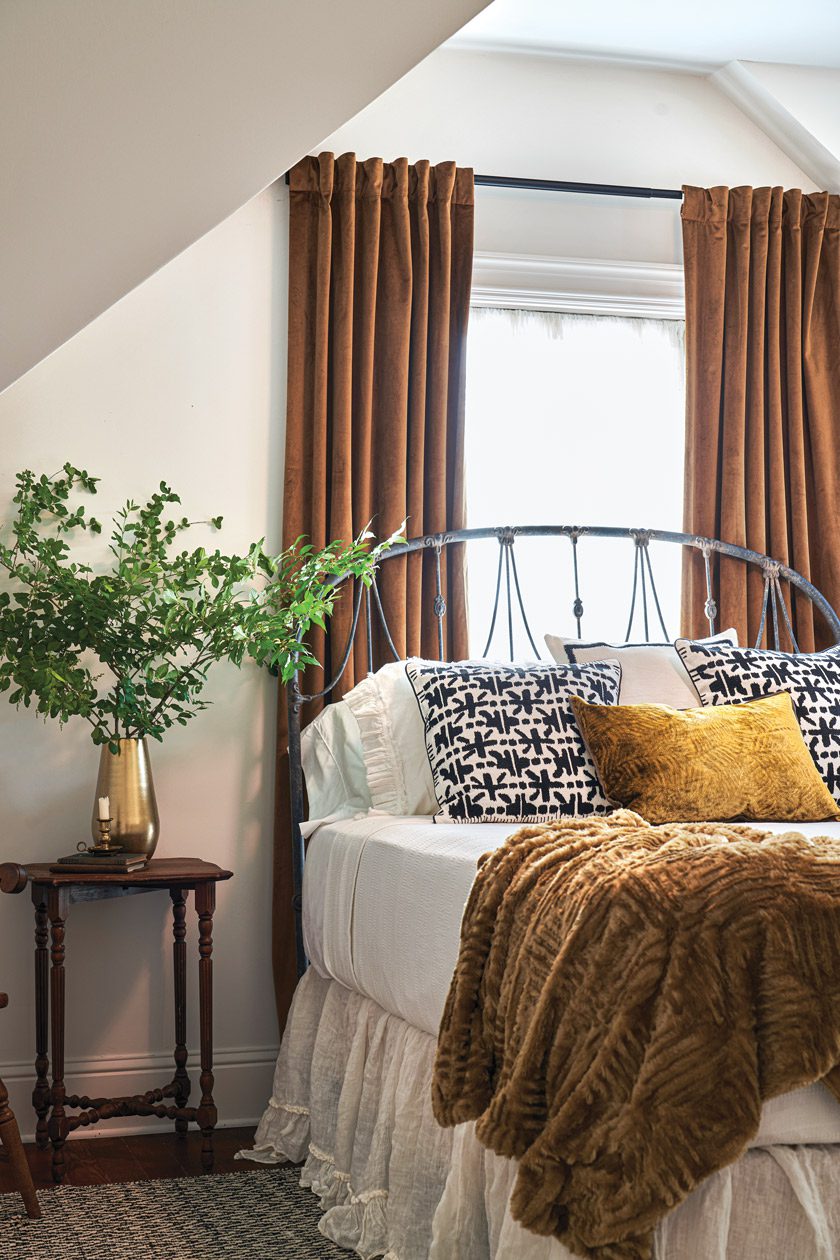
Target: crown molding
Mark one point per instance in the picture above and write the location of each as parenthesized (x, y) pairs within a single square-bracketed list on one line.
[(589, 286), (759, 104), (580, 56)]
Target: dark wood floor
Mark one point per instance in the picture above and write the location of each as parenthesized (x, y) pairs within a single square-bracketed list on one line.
[(96, 1161)]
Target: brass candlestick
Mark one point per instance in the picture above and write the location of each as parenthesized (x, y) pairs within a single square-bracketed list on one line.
[(105, 847)]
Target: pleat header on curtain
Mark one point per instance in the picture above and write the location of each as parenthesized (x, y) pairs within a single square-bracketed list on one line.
[(774, 205), (330, 176)]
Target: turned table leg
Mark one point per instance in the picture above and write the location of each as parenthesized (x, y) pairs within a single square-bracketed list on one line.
[(41, 1092), (10, 1138), (179, 956), (57, 911), (205, 902)]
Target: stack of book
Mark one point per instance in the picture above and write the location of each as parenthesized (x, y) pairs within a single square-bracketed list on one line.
[(117, 863)]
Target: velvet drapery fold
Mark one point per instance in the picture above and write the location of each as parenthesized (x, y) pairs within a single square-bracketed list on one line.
[(380, 269), (762, 277)]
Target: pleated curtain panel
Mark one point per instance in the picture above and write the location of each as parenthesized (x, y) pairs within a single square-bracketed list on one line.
[(380, 269), (762, 277)]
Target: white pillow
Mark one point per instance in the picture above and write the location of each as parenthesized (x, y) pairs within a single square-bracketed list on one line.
[(399, 779), (651, 673), (333, 763)]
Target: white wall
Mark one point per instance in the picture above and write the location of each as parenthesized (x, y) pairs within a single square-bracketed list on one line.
[(544, 117), (182, 380), (129, 129)]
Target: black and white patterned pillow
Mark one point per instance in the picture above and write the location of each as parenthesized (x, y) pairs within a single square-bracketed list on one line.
[(727, 675), (502, 741)]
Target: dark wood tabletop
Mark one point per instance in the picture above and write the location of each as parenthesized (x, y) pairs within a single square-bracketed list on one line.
[(163, 871)]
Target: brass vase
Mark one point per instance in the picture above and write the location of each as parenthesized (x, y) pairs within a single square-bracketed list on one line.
[(126, 779)]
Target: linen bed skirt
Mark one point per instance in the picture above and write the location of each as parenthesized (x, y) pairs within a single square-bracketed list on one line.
[(351, 1099)]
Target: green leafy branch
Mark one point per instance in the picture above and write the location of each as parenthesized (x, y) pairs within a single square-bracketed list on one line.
[(129, 650)]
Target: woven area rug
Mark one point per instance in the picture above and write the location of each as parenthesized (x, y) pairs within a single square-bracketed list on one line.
[(261, 1215)]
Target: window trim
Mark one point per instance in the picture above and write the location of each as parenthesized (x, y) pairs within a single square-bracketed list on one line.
[(590, 286)]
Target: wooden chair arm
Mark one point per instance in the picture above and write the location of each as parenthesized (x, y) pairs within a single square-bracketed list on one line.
[(4, 1000), (13, 878)]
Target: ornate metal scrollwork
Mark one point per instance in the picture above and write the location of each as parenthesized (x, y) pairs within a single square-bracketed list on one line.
[(710, 607), (641, 537)]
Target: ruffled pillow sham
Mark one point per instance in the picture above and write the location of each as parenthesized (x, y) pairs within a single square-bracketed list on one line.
[(399, 779)]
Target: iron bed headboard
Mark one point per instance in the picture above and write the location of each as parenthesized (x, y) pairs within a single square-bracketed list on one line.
[(644, 588)]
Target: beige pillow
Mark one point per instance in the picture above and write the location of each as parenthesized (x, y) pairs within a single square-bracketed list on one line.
[(651, 673)]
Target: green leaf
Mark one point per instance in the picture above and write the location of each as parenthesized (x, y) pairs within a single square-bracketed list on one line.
[(129, 647)]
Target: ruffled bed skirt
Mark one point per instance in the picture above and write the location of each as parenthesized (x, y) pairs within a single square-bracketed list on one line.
[(352, 1101)]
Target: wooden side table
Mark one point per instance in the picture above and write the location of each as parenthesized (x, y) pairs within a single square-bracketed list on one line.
[(52, 895)]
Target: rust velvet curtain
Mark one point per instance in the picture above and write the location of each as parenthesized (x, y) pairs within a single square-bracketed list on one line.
[(762, 276), (380, 267)]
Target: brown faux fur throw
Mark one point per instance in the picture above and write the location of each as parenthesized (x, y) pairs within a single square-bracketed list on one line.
[(625, 998)]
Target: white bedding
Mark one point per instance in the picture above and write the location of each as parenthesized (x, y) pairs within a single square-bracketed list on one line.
[(382, 905)]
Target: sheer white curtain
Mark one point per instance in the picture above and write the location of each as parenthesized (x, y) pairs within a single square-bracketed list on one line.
[(573, 420)]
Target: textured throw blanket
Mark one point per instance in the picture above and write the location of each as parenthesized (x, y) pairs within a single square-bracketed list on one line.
[(625, 998)]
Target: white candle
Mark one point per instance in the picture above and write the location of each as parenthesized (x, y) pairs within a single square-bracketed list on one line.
[(104, 808)]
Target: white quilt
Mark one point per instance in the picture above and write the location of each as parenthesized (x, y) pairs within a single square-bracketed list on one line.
[(382, 906)]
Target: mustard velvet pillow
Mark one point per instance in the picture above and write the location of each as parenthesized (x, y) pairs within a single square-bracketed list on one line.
[(745, 761)]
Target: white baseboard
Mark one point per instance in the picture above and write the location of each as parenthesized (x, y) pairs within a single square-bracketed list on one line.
[(243, 1077)]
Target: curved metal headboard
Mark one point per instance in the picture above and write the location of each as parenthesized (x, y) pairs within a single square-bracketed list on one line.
[(507, 577)]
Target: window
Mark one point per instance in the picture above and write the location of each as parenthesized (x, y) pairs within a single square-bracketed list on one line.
[(573, 420)]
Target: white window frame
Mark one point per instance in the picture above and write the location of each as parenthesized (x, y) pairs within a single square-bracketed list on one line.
[(577, 286), (587, 286)]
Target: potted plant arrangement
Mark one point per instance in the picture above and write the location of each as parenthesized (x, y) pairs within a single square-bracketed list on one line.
[(127, 647)]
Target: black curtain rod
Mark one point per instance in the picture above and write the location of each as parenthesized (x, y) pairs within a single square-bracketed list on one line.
[(570, 186)]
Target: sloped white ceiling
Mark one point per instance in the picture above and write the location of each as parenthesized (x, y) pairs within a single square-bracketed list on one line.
[(129, 129), (806, 33)]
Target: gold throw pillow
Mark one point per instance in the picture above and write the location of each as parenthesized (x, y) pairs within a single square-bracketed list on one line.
[(732, 761)]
